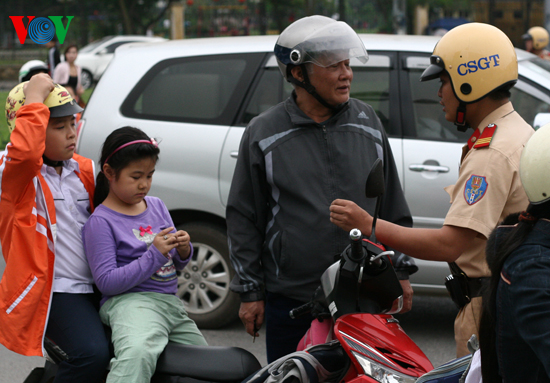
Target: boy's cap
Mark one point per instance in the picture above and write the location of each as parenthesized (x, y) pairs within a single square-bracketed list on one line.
[(59, 101)]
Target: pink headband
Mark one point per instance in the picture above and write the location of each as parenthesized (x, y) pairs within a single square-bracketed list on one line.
[(152, 142)]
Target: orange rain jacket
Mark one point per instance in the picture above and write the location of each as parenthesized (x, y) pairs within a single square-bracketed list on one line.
[(28, 232)]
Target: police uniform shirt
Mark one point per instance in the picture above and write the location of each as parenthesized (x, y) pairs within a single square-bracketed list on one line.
[(488, 186)]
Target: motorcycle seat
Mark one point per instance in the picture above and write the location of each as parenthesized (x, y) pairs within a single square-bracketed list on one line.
[(209, 363)]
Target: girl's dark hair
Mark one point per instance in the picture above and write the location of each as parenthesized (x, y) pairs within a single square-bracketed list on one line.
[(67, 49), (498, 250), (122, 157)]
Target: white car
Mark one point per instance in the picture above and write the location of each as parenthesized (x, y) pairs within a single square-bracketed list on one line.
[(94, 57), (198, 95)]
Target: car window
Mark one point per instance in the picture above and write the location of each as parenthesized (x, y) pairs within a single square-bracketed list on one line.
[(111, 48), (90, 47), (372, 86), (423, 116), (271, 90), (428, 116), (206, 89), (528, 101)]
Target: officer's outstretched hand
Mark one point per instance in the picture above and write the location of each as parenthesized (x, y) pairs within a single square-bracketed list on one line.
[(348, 215)]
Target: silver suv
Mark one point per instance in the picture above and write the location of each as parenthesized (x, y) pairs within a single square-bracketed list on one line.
[(198, 95)]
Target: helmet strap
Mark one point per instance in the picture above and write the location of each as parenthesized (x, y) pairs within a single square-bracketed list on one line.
[(460, 120), (306, 84), (49, 162)]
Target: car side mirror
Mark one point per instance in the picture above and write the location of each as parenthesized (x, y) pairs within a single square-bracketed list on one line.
[(375, 181), (102, 52), (541, 119)]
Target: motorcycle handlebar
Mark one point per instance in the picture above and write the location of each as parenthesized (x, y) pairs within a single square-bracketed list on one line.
[(301, 310), (355, 237)]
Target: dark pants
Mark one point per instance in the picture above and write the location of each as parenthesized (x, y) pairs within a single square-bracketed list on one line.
[(282, 332), (74, 325)]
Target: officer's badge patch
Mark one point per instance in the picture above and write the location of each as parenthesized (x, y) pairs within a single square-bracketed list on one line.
[(475, 189)]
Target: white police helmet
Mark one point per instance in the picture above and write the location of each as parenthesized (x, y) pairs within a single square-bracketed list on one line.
[(534, 165), (30, 68)]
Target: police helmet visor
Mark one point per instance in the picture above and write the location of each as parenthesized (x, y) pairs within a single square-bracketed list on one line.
[(434, 70)]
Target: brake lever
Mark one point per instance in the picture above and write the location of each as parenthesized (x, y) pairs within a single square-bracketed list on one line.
[(384, 253)]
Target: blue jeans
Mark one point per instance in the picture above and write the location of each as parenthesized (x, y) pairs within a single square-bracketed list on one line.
[(282, 332), (523, 310), (74, 325)]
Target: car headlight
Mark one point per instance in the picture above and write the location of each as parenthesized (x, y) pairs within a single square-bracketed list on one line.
[(382, 373)]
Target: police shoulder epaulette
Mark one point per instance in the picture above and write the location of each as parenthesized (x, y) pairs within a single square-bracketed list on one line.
[(485, 139)]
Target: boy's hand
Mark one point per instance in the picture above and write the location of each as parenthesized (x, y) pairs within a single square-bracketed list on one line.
[(165, 241), (182, 240), (38, 88)]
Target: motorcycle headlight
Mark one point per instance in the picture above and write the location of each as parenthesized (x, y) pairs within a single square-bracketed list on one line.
[(382, 373)]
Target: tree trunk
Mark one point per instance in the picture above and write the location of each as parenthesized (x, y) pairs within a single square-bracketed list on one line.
[(342, 9), (126, 18)]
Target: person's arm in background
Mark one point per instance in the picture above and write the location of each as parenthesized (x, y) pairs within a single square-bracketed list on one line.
[(60, 74)]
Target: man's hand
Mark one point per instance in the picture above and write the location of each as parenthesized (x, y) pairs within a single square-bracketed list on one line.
[(38, 88), (407, 295), (348, 215), (252, 316)]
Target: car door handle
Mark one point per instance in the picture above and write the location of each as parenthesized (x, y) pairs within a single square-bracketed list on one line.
[(234, 154), (428, 168)]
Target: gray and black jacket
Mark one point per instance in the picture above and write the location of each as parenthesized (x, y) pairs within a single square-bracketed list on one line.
[(288, 172)]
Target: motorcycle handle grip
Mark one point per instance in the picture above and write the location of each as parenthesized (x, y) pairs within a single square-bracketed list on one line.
[(301, 310), (355, 237)]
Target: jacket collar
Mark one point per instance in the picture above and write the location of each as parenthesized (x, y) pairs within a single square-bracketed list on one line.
[(298, 117)]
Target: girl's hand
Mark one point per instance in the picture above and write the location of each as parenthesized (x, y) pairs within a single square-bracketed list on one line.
[(183, 239), (165, 241)]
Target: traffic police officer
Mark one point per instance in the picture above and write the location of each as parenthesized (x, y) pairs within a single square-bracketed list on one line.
[(536, 39), (477, 66)]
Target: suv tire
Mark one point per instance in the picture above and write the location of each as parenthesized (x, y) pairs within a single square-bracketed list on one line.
[(203, 285)]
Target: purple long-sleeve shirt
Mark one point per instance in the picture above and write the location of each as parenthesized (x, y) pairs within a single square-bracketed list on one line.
[(121, 253)]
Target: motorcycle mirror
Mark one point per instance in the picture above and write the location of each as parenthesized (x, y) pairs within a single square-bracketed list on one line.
[(375, 180)]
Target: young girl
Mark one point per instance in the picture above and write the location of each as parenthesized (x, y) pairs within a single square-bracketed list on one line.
[(134, 252)]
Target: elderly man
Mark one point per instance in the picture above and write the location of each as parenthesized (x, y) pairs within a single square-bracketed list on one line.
[(294, 159)]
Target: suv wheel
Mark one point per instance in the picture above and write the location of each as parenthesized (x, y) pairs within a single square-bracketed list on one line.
[(203, 285), (86, 79)]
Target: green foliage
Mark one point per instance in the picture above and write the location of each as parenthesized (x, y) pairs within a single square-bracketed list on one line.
[(4, 131), (446, 5)]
